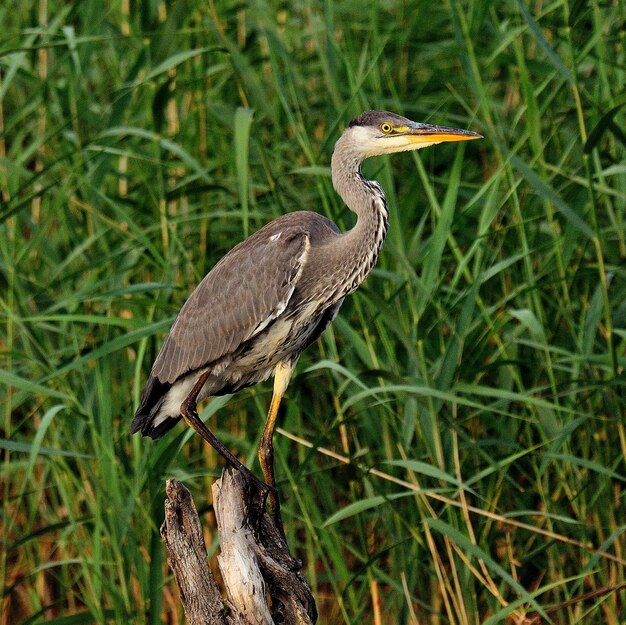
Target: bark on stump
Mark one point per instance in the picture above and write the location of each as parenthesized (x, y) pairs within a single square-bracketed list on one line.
[(263, 582)]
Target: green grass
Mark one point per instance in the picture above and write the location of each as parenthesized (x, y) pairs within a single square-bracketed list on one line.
[(475, 381)]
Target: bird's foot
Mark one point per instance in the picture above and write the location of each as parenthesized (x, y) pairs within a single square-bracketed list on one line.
[(257, 494)]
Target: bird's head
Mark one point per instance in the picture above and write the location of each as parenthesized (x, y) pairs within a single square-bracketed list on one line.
[(374, 133)]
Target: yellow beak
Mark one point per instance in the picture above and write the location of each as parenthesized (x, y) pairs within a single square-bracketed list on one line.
[(425, 133)]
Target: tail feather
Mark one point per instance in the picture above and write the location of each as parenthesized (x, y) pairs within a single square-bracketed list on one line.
[(153, 396)]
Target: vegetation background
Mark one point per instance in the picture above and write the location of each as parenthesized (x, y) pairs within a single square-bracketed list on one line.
[(474, 384)]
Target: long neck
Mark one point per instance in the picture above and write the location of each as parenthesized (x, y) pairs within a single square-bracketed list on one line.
[(361, 245)]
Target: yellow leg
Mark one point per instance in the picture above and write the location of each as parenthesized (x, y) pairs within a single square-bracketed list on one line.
[(282, 375)]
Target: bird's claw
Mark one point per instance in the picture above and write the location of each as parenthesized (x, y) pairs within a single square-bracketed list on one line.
[(257, 494)]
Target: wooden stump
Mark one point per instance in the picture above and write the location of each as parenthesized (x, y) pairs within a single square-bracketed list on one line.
[(186, 555), (263, 582)]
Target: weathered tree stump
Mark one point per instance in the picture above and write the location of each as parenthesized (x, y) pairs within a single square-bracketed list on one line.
[(263, 582), (186, 555)]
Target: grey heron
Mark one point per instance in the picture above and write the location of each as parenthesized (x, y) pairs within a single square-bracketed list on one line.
[(275, 293)]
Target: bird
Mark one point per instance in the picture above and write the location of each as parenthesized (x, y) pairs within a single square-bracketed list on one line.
[(274, 294)]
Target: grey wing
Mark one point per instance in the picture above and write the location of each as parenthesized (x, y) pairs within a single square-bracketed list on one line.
[(244, 292)]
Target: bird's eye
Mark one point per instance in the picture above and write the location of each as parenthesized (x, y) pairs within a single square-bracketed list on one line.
[(386, 128)]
